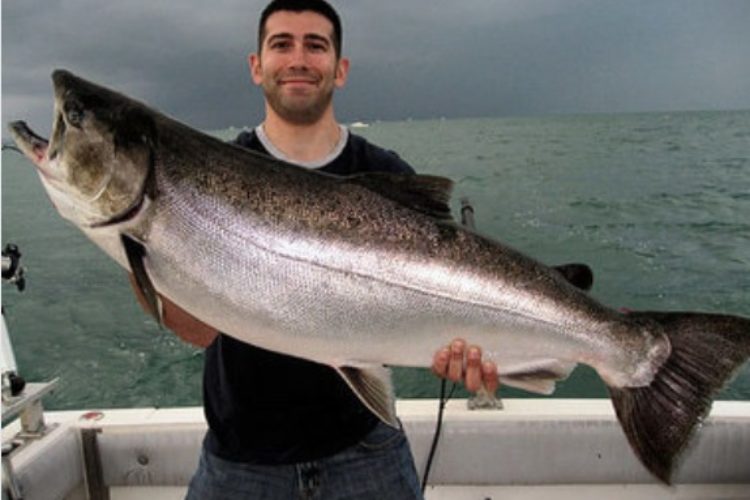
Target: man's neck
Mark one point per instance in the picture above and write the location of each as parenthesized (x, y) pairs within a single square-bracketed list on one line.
[(303, 143)]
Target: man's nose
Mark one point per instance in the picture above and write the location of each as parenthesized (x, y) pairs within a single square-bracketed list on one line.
[(298, 57)]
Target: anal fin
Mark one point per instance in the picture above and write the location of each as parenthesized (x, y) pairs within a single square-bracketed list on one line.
[(539, 376), (372, 384), (135, 252)]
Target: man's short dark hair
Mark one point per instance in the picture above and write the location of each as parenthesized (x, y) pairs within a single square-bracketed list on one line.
[(318, 6)]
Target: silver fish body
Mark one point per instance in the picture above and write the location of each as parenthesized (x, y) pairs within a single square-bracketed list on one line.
[(334, 272)]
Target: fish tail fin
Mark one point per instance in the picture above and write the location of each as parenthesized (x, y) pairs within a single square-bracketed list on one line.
[(660, 419)]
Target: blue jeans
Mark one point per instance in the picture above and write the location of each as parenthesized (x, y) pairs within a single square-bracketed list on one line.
[(378, 467)]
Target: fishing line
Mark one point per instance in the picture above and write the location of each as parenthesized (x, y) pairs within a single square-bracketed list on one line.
[(467, 219), (438, 427)]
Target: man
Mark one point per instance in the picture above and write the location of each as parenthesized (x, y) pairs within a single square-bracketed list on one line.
[(283, 427)]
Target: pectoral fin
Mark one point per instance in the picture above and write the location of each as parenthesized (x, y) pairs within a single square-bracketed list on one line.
[(372, 384), (135, 251)]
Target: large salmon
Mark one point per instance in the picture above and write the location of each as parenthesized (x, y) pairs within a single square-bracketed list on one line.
[(359, 272)]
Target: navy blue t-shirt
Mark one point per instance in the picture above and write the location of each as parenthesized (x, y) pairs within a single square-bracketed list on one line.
[(268, 408)]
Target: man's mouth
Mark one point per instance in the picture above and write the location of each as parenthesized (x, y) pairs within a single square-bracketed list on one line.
[(298, 79)]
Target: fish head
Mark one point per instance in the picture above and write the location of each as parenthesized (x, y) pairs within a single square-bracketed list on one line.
[(97, 161)]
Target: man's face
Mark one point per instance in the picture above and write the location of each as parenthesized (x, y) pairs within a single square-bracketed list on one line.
[(297, 65)]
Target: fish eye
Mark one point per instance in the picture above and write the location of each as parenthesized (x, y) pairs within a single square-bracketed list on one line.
[(74, 115)]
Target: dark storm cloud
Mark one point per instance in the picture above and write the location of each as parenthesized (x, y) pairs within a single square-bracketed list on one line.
[(568, 56), (409, 59), (187, 60)]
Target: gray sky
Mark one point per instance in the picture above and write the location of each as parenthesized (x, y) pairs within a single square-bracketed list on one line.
[(410, 58)]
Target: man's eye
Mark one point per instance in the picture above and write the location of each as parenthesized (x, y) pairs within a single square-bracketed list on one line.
[(317, 47)]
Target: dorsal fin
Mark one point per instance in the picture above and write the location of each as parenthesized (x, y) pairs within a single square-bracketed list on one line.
[(429, 194)]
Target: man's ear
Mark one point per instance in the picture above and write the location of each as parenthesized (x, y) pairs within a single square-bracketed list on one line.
[(342, 72), (253, 62)]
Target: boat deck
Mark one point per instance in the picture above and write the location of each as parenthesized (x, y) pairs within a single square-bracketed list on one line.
[(532, 449)]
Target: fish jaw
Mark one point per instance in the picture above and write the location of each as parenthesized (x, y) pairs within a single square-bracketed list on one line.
[(36, 149), (33, 146)]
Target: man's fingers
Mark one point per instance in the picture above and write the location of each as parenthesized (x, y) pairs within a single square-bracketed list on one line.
[(456, 363), (489, 377), (440, 362), (473, 379)]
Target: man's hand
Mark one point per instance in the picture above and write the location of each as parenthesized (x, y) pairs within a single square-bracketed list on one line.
[(459, 364), (187, 327)]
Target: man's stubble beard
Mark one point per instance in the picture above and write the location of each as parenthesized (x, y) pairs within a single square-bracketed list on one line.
[(299, 113)]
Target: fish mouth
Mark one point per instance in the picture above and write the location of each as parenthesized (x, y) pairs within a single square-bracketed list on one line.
[(32, 145)]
